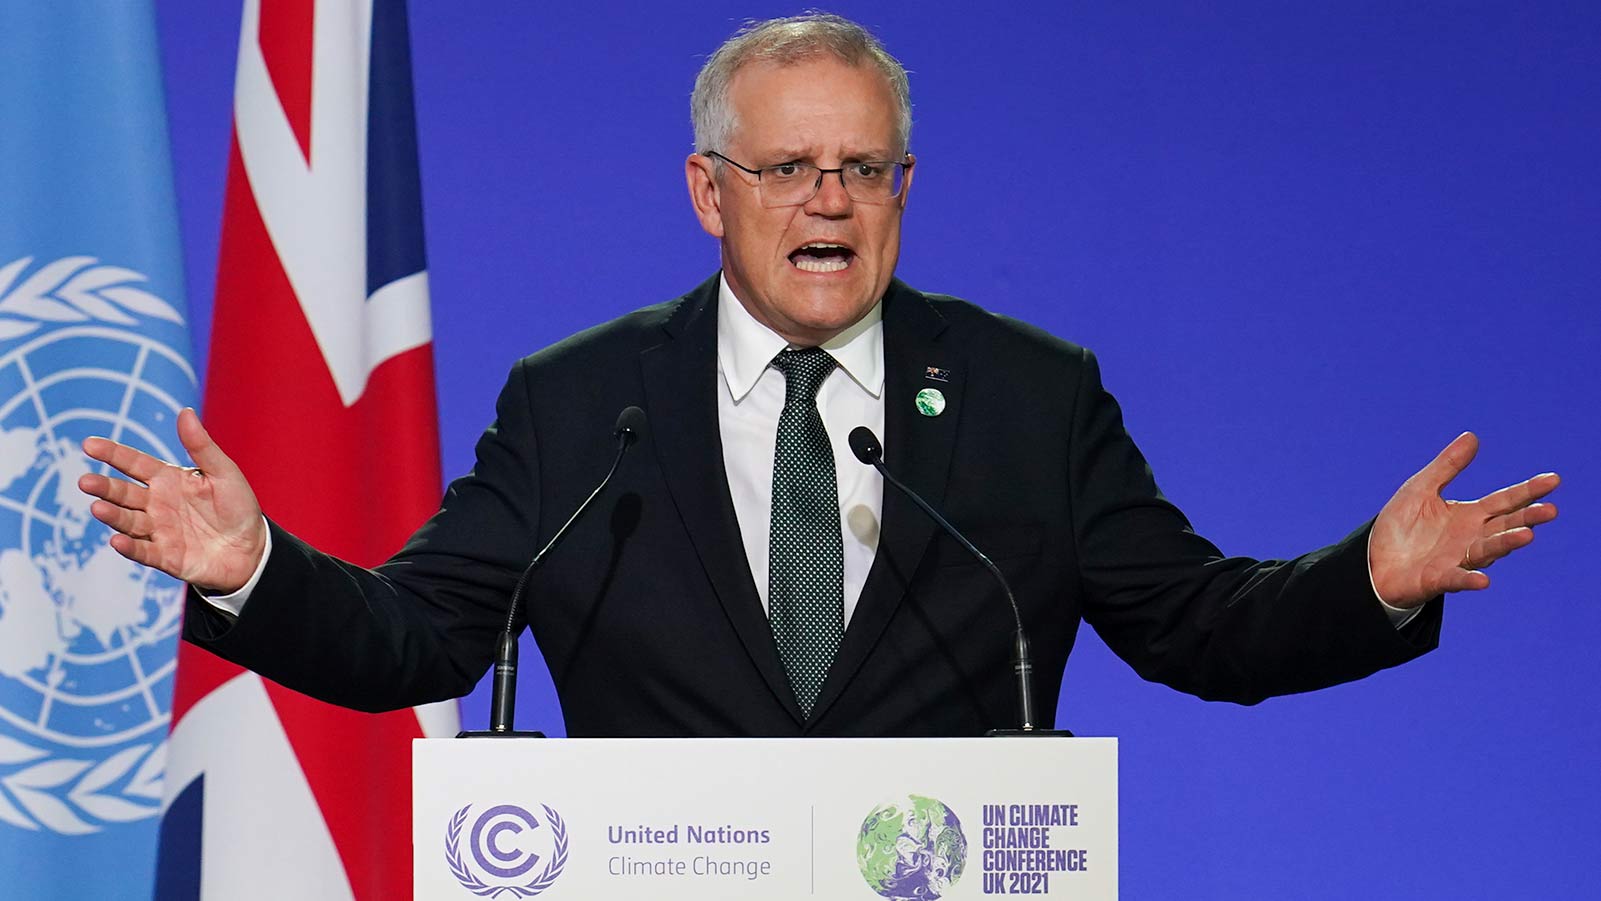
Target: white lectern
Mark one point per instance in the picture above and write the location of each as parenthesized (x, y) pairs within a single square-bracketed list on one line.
[(765, 818)]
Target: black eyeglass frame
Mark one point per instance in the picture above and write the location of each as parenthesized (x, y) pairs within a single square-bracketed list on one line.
[(905, 164)]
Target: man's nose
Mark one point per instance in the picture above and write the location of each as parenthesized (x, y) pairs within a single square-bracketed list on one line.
[(831, 198)]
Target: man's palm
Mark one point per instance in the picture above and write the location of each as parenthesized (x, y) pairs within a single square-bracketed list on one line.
[(1424, 545), (201, 525)]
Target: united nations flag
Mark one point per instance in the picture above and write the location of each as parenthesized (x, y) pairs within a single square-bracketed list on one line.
[(93, 341)]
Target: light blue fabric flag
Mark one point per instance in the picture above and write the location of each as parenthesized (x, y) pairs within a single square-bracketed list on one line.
[(93, 340)]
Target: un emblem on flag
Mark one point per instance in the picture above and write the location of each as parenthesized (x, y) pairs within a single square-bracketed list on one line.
[(87, 638)]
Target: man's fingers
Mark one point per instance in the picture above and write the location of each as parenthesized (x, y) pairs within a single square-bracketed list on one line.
[(197, 441), (131, 463), (121, 492), (1486, 551), (1520, 495), (1450, 462), (1466, 580), (135, 523), (1528, 517), (136, 550)]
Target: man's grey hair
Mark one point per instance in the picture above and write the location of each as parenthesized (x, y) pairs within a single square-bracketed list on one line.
[(784, 42)]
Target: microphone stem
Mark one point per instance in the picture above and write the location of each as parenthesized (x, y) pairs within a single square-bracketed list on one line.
[(503, 691), (1021, 664), (1024, 669), (522, 582)]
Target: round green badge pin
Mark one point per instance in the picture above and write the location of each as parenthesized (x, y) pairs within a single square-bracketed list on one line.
[(930, 402)]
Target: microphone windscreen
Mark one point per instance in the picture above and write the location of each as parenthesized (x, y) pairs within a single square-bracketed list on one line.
[(630, 424), (864, 444)]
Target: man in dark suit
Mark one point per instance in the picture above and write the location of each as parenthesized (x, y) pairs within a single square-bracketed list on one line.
[(745, 575)]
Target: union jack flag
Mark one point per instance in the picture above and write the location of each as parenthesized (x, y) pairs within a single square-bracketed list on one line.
[(321, 388)]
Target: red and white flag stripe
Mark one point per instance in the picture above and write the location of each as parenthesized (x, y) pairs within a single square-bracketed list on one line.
[(321, 387)]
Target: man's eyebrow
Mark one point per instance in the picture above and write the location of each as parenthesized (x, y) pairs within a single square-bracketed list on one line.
[(790, 154), (784, 155)]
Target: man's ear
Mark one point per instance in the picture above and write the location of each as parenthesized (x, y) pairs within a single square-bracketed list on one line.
[(906, 186), (701, 174)]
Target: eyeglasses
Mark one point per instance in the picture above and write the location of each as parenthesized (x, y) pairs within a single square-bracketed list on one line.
[(795, 183)]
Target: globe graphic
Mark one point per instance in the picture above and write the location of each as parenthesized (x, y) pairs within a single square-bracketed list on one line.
[(87, 638), (911, 847)]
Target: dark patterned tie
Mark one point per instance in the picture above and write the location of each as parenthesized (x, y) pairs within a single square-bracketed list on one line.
[(806, 559)]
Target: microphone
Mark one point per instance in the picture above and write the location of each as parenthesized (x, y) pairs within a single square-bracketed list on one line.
[(503, 692), (865, 445)]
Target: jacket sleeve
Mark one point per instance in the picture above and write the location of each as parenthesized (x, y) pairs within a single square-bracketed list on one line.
[(1224, 628), (422, 626)]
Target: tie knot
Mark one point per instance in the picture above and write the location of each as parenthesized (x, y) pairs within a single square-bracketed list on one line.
[(804, 371)]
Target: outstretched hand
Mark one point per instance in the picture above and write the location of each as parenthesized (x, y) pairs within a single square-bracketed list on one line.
[(1424, 545), (200, 524)]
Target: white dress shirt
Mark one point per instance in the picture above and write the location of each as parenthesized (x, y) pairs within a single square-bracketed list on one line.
[(749, 398)]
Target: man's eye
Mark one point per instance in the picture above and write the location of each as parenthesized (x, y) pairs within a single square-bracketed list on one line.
[(785, 170), (867, 171)]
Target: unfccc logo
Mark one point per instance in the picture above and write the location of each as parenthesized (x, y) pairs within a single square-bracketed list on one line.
[(502, 853)]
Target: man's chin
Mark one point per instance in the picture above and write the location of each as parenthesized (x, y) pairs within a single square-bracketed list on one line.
[(822, 324), (829, 296)]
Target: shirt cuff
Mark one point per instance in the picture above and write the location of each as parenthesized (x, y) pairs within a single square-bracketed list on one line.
[(1399, 617), (234, 602)]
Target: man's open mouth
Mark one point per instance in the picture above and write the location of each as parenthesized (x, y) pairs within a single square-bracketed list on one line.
[(820, 256)]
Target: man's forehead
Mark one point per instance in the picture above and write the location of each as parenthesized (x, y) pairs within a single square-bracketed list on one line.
[(813, 108), (808, 71)]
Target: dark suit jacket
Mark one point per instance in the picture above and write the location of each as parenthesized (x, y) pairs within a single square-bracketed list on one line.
[(648, 617)]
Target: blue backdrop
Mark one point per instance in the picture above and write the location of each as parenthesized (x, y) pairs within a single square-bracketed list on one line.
[(1363, 227)]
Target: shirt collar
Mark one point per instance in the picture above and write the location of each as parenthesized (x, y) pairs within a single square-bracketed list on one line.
[(746, 347)]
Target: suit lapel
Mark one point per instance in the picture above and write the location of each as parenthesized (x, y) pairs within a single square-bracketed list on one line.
[(917, 449), (680, 390)]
